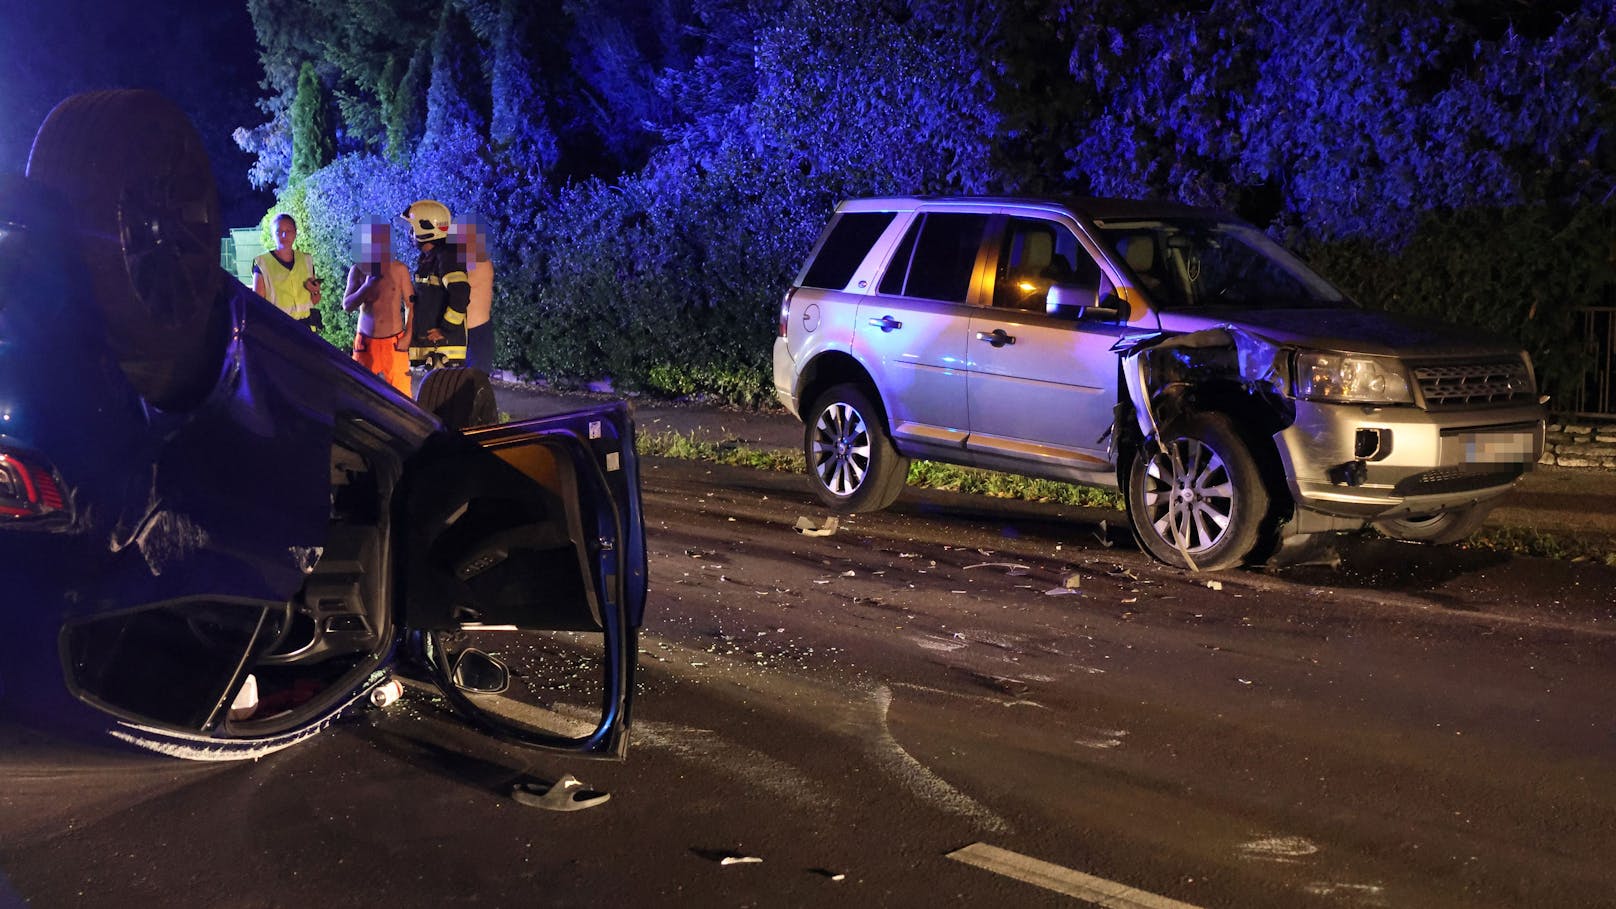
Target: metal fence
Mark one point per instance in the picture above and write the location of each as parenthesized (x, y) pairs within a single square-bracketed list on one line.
[(1595, 397)]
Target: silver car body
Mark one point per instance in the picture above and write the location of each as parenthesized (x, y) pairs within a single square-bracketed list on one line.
[(1028, 392)]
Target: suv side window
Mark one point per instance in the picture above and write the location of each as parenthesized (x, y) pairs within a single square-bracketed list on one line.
[(937, 257), (1035, 255), (846, 245)]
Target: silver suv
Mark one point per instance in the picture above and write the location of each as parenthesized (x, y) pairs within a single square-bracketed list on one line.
[(1240, 402)]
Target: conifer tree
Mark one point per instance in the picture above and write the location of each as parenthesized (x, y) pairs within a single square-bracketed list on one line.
[(313, 145)]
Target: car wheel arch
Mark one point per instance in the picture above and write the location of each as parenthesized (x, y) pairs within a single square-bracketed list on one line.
[(840, 368)]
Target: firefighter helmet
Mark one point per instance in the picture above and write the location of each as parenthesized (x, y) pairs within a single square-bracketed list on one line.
[(429, 220)]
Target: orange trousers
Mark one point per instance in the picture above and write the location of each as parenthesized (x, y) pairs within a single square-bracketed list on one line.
[(381, 357)]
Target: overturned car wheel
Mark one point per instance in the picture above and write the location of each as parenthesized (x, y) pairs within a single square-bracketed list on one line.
[(142, 201), (460, 396), (1211, 506), (852, 464)]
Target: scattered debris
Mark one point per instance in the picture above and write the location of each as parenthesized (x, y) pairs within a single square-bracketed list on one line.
[(1280, 848), (1130, 600), (1062, 592), (849, 573), (827, 873), (1072, 582), (808, 528), (1243, 681), (565, 794), (739, 860), (1011, 569), (1214, 585), (386, 693)]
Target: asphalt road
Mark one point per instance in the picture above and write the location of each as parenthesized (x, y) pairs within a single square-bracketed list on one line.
[(1422, 727)]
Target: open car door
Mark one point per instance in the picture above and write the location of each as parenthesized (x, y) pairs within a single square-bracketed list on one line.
[(522, 576)]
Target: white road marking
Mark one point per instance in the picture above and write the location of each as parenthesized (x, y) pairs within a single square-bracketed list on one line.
[(1062, 880), (919, 778)]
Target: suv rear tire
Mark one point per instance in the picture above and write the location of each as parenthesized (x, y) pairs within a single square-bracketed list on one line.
[(1219, 503), (852, 464)]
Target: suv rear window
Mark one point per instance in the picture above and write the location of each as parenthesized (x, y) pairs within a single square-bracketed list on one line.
[(944, 257), (849, 241)]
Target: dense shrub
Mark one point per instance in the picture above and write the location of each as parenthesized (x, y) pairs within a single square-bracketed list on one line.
[(1521, 272), (652, 174)]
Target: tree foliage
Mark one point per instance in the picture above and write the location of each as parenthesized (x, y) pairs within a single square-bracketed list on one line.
[(654, 172), (312, 142)]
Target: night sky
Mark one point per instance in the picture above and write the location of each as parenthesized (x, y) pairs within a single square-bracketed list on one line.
[(201, 54)]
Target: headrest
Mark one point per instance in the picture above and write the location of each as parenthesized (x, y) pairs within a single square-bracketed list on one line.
[(1037, 249), (1140, 252)]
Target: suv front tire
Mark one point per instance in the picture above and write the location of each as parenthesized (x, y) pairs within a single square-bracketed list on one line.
[(1217, 504)]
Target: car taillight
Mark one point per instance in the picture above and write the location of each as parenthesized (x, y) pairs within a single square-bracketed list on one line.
[(785, 310), (28, 489)]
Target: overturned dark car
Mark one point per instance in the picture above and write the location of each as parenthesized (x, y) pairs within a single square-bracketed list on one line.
[(218, 533)]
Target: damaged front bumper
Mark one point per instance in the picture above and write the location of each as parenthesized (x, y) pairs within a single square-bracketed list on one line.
[(1352, 462), (1375, 463)]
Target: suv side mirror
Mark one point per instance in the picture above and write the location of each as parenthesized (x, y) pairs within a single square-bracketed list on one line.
[(1068, 301)]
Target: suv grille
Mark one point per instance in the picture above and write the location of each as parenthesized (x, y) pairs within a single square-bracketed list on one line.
[(1458, 384)]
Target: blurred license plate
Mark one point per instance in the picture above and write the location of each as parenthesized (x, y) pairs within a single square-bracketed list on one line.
[(1489, 448)]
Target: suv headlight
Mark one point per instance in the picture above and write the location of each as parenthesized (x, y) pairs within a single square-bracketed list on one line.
[(1351, 378)]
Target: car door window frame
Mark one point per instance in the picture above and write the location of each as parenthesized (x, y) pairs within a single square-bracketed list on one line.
[(909, 247)]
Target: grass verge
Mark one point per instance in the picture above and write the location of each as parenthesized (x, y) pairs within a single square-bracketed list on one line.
[(933, 475)]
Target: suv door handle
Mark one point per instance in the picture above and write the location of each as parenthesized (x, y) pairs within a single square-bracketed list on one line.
[(886, 323), (997, 337)]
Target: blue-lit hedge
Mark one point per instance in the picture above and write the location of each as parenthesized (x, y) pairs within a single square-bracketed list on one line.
[(652, 192)]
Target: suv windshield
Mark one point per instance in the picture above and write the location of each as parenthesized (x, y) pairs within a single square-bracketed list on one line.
[(1197, 262)]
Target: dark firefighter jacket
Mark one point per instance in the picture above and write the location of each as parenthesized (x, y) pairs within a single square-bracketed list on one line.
[(442, 293)]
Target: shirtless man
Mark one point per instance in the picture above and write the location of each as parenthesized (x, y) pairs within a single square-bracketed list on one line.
[(379, 287)]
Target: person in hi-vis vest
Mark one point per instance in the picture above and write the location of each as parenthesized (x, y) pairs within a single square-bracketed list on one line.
[(285, 277)]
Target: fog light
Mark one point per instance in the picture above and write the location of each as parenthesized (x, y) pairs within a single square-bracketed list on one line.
[(1372, 444)]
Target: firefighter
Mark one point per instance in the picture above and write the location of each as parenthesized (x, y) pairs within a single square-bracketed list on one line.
[(285, 277), (442, 290)]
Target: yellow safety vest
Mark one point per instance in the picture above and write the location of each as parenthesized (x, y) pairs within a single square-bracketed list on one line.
[(285, 285)]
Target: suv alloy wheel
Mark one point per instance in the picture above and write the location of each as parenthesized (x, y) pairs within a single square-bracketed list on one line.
[(1211, 506), (852, 465)]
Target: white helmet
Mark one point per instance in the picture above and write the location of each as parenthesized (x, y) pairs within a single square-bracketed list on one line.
[(429, 220)]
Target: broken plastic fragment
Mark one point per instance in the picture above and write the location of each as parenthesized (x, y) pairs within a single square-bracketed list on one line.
[(739, 860), (1013, 569), (1072, 582), (1214, 585), (827, 873), (565, 794), (807, 527)]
